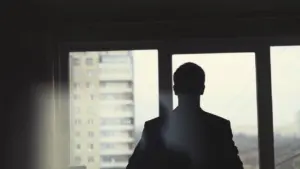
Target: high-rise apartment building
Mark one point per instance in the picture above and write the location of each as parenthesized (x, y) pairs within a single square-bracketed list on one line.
[(101, 109)]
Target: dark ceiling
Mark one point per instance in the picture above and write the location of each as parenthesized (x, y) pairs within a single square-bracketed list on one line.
[(153, 10)]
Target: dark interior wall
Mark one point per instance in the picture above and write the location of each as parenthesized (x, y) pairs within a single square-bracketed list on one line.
[(32, 37), (26, 64)]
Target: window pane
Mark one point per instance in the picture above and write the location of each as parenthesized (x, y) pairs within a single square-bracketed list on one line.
[(108, 88), (285, 68), (230, 92)]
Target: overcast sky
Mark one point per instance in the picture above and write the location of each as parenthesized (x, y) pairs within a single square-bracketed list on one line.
[(230, 87)]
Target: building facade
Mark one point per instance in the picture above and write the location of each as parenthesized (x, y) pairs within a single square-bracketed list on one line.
[(101, 109)]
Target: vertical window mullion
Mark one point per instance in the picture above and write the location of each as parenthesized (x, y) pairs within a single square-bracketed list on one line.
[(264, 106), (165, 82)]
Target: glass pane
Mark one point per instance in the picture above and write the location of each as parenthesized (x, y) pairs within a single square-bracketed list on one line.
[(109, 105), (230, 92), (285, 68)]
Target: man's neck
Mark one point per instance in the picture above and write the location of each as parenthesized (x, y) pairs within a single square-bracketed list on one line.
[(188, 101)]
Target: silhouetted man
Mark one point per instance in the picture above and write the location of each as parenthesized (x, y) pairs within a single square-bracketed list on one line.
[(188, 137)]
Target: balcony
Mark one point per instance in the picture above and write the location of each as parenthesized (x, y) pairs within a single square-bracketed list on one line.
[(111, 77), (115, 102), (112, 90), (118, 127), (109, 114), (113, 164), (117, 139), (118, 65), (116, 152)]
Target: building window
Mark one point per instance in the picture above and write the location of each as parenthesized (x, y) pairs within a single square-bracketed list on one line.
[(77, 121), (127, 121), (90, 121), (114, 158), (91, 159), (126, 108), (88, 85), (114, 59), (118, 53), (106, 133), (120, 121), (76, 85), (107, 145), (76, 61), (91, 146), (91, 134), (122, 96), (77, 159), (116, 84), (116, 133), (78, 146), (126, 96), (76, 97), (89, 61), (77, 133)]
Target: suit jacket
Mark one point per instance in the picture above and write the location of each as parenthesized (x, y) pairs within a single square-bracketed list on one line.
[(217, 147)]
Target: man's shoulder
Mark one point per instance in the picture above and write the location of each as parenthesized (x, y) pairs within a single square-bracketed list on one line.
[(216, 119), (156, 122)]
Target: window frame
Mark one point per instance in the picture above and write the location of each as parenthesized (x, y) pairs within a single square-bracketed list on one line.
[(166, 48)]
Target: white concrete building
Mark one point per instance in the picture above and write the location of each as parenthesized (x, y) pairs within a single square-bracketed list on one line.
[(102, 109)]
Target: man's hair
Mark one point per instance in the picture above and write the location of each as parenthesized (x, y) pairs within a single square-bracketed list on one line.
[(189, 78)]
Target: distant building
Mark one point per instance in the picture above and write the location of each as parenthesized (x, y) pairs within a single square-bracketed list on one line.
[(102, 109)]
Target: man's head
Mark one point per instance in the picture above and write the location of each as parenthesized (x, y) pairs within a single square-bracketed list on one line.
[(189, 79)]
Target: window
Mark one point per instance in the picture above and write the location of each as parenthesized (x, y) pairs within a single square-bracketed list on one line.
[(230, 92), (107, 145), (123, 134), (77, 159), (88, 85), (114, 59), (121, 96), (76, 97), (285, 68), (76, 85), (114, 158), (106, 133), (96, 112), (91, 134), (125, 108), (91, 159), (76, 62), (115, 121), (77, 121), (90, 121), (118, 53), (89, 61), (91, 146), (127, 121), (115, 84), (116, 70)]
